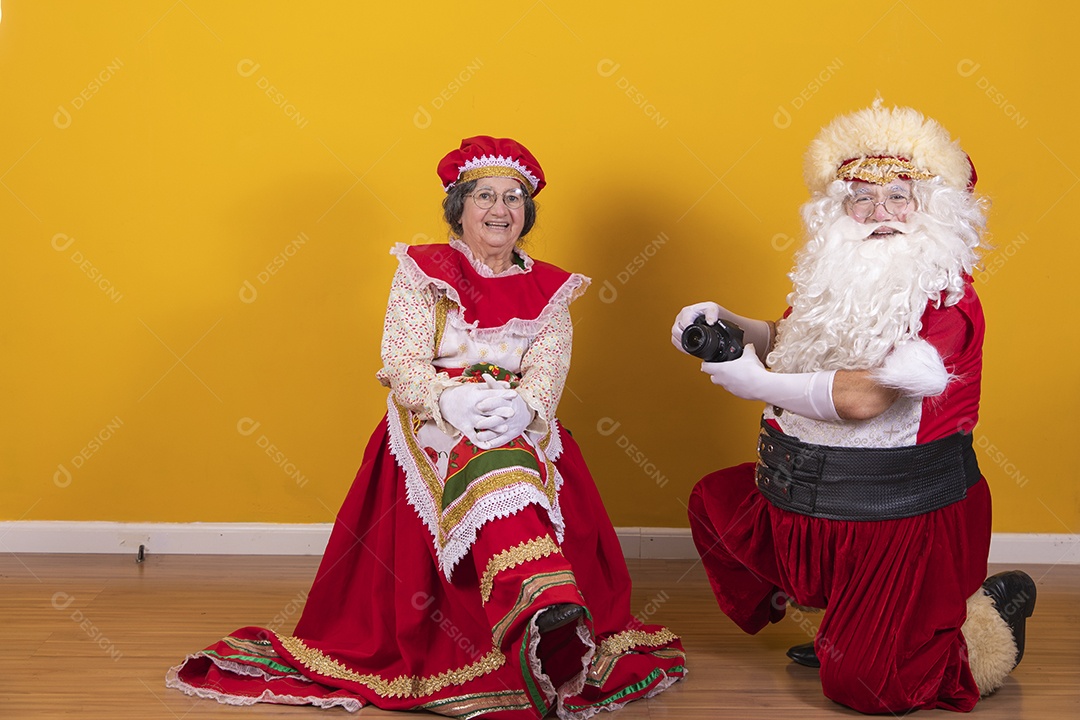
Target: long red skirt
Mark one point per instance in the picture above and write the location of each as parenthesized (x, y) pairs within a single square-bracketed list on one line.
[(895, 591), (382, 625)]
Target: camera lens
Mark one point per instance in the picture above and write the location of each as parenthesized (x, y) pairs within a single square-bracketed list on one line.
[(699, 342), (718, 342)]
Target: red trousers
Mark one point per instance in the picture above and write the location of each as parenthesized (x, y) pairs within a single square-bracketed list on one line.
[(894, 591)]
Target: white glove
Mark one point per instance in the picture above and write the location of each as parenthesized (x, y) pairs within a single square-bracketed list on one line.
[(756, 332), (515, 418), (472, 407), (806, 394)]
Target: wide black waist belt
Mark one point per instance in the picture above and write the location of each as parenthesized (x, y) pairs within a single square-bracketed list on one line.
[(864, 483)]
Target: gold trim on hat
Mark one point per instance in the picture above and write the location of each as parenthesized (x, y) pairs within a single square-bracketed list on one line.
[(494, 171), (880, 170)]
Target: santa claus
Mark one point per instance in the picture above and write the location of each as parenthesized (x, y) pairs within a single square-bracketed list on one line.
[(866, 498)]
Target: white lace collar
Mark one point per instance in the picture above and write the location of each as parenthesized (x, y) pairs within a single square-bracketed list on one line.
[(483, 269)]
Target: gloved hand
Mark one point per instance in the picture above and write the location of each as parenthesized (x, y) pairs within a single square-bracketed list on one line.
[(473, 408), (755, 332), (806, 394), (515, 418)]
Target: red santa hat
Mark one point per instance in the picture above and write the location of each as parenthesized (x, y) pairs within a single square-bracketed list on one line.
[(485, 156), (879, 145)]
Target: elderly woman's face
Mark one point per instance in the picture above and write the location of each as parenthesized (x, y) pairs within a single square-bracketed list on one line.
[(493, 230), (870, 203)]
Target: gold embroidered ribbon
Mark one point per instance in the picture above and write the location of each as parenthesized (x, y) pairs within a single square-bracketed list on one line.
[(535, 549), (880, 170), (407, 686)]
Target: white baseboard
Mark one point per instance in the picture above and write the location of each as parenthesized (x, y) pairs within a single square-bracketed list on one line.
[(42, 536), (48, 536)]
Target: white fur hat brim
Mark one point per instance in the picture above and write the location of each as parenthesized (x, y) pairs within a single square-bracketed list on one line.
[(885, 143)]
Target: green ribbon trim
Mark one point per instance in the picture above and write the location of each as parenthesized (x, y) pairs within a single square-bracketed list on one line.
[(255, 660), (630, 689), (487, 461), (530, 684), (432, 706)]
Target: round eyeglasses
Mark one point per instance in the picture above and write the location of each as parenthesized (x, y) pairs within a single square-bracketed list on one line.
[(863, 206), (486, 198)]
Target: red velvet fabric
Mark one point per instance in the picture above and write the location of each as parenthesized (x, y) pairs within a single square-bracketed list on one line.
[(380, 610), (895, 591), (491, 302)]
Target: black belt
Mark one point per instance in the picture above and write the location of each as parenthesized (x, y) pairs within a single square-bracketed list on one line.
[(864, 483)]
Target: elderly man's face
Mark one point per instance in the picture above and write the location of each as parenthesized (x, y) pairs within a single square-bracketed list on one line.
[(870, 203)]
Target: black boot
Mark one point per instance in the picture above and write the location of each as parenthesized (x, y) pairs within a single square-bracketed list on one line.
[(804, 655), (558, 615), (1013, 593)]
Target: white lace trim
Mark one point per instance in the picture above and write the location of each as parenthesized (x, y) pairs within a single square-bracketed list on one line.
[(571, 687), (485, 161), (896, 427), (172, 680), (575, 684), (573, 288), (535, 663), (493, 506), (484, 271)]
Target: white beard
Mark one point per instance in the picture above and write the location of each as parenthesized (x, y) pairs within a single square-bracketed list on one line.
[(855, 297)]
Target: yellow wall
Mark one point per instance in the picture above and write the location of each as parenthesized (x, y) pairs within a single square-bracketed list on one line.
[(198, 199)]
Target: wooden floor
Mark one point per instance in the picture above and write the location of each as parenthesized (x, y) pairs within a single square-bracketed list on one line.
[(91, 636)]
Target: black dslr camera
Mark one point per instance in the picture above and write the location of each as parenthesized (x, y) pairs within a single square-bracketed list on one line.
[(719, 342)]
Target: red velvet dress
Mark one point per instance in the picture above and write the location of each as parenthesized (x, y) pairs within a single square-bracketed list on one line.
[(428, 592), (895, 591)]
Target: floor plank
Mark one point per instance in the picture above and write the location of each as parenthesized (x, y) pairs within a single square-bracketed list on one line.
[(91, 636)]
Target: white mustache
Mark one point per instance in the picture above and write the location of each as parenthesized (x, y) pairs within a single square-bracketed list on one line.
[(849, 229)]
